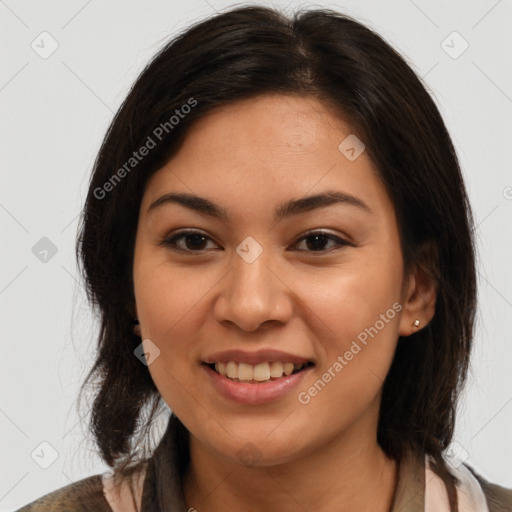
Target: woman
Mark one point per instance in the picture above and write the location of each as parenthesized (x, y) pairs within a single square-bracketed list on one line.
[(279, 241)]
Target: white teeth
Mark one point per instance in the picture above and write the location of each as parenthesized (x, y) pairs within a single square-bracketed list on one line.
[(276, 369), (260, 372), (288, 368), (245, 371), (232, 370)]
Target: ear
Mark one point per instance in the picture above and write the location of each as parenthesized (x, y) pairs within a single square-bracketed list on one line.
[(132, 310), (135, 316), (420, 291)]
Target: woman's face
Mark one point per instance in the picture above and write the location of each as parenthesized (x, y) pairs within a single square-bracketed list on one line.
[(259, 288)]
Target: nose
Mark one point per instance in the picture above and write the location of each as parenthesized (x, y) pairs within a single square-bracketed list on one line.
[(253, 294)]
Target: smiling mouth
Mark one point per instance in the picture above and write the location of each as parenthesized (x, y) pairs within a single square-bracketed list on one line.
[(258, 373)]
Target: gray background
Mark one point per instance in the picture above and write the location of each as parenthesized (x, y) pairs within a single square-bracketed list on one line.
[(54, 112)]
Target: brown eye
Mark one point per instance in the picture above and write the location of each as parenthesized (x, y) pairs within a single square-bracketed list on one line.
[(317, 240), (194, 241)]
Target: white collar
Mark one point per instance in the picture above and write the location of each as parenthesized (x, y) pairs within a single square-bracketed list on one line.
[(470, 495)]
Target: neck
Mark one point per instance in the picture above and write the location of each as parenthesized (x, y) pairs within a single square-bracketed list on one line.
[(336, 476)]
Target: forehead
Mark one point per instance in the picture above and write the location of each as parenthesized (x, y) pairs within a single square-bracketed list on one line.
[(269, 121), (259, 150)]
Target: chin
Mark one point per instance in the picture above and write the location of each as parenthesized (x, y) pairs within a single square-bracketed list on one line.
[(257, 451)]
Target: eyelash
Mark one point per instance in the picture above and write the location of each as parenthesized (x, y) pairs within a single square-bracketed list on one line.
[(170, 242)]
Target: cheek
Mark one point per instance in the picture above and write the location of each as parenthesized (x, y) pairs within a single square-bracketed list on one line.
[(352, 298), (170, 304), (164, 296), (358, 313)]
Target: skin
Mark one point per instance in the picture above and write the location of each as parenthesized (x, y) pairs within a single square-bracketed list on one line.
[(249, 157)]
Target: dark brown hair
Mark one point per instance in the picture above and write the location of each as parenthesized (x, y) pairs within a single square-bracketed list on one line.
[(240, 54)]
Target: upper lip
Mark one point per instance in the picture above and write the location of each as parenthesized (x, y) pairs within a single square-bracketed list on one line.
[(256, 357)]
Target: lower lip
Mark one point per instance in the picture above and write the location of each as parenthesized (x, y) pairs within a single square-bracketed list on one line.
[(262, 393)]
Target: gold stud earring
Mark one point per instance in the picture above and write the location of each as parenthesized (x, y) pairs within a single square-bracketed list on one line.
[(416, 323)]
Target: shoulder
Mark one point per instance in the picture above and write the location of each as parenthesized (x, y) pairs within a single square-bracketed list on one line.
[(85, 495), (499, 499)]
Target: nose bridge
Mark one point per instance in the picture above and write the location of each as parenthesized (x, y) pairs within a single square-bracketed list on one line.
[(252, 293), (251, 272)]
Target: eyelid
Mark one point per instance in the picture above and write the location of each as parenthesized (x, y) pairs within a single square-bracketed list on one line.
[(319, 231), (168, 240), (340, 240)]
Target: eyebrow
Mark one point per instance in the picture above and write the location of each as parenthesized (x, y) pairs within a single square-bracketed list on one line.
[(284, 210)]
